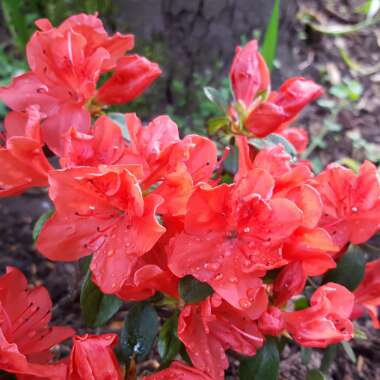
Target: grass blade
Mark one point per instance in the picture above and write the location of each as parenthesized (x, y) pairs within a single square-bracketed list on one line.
[(269, 46)]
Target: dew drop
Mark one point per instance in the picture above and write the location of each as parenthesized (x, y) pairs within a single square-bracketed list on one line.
[(245, 303)]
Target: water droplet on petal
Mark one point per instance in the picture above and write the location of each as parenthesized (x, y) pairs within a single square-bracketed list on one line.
[(245, 303)]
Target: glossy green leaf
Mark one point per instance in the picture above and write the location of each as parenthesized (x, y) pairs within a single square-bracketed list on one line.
[(315, 374), (217, 123), (169, 345), (306, 355), (269, 46), (272, 140), (139, 331), (97, 308), (349, 270), (216, 97), (301, 303), (349, 351), (264, 365), (40, 223), (192, 291), (360, 334), (119, 119), (328, 358)]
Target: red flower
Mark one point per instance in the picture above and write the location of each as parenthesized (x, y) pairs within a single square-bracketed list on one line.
[(92, 357), (232, 235), (297, 136), (133, 75), (178, 370), (100, 211), (313, 248), (150, 274), (351, 203), (267, 111), (66, 63), (23, 163), (210, 328), (171, 166), (282, 106), (104, 144), (326, 321), (249, 74), (25, 335), (271, 322), (367, 295), (289, 282)]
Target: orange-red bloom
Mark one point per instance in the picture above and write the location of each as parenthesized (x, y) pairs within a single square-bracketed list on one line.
[(326, 321), (232, 235), (178, 370), (66, 63), (100, 211), (249, 74), (210, 328), (23, 163), (92, 357), (25, 335), (267, 111), (367, 295), (351, 203)]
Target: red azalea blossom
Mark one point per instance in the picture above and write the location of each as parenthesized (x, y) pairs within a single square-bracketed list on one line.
[(249, 74), (104, 144), (367, 295), (267, 111), (232, 235), (210, 328), (92, 358), (297, 136), (25, 335), (326, 321), (271, 322), (178, 370), (23, 163), (100, 211), (290, 281), (351, 203), (66, 63)]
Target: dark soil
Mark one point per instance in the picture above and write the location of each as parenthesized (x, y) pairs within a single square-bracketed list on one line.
[(309, 56)]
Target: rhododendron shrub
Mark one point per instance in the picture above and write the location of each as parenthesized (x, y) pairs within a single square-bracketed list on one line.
[(240, 260)]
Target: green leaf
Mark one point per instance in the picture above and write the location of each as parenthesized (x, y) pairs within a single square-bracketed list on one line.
[(40, 223), (16, 22), (315, 374), (348, 90), (231, 162), (359, 334), (192, 291), (349, 270), (217, 123), (97, 308), (216, 97), (349, 351), (272, 140), (328, 358), (269, 46), (264, 365), (169, 345), (119, 119), (139, 332), (306, 355)]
